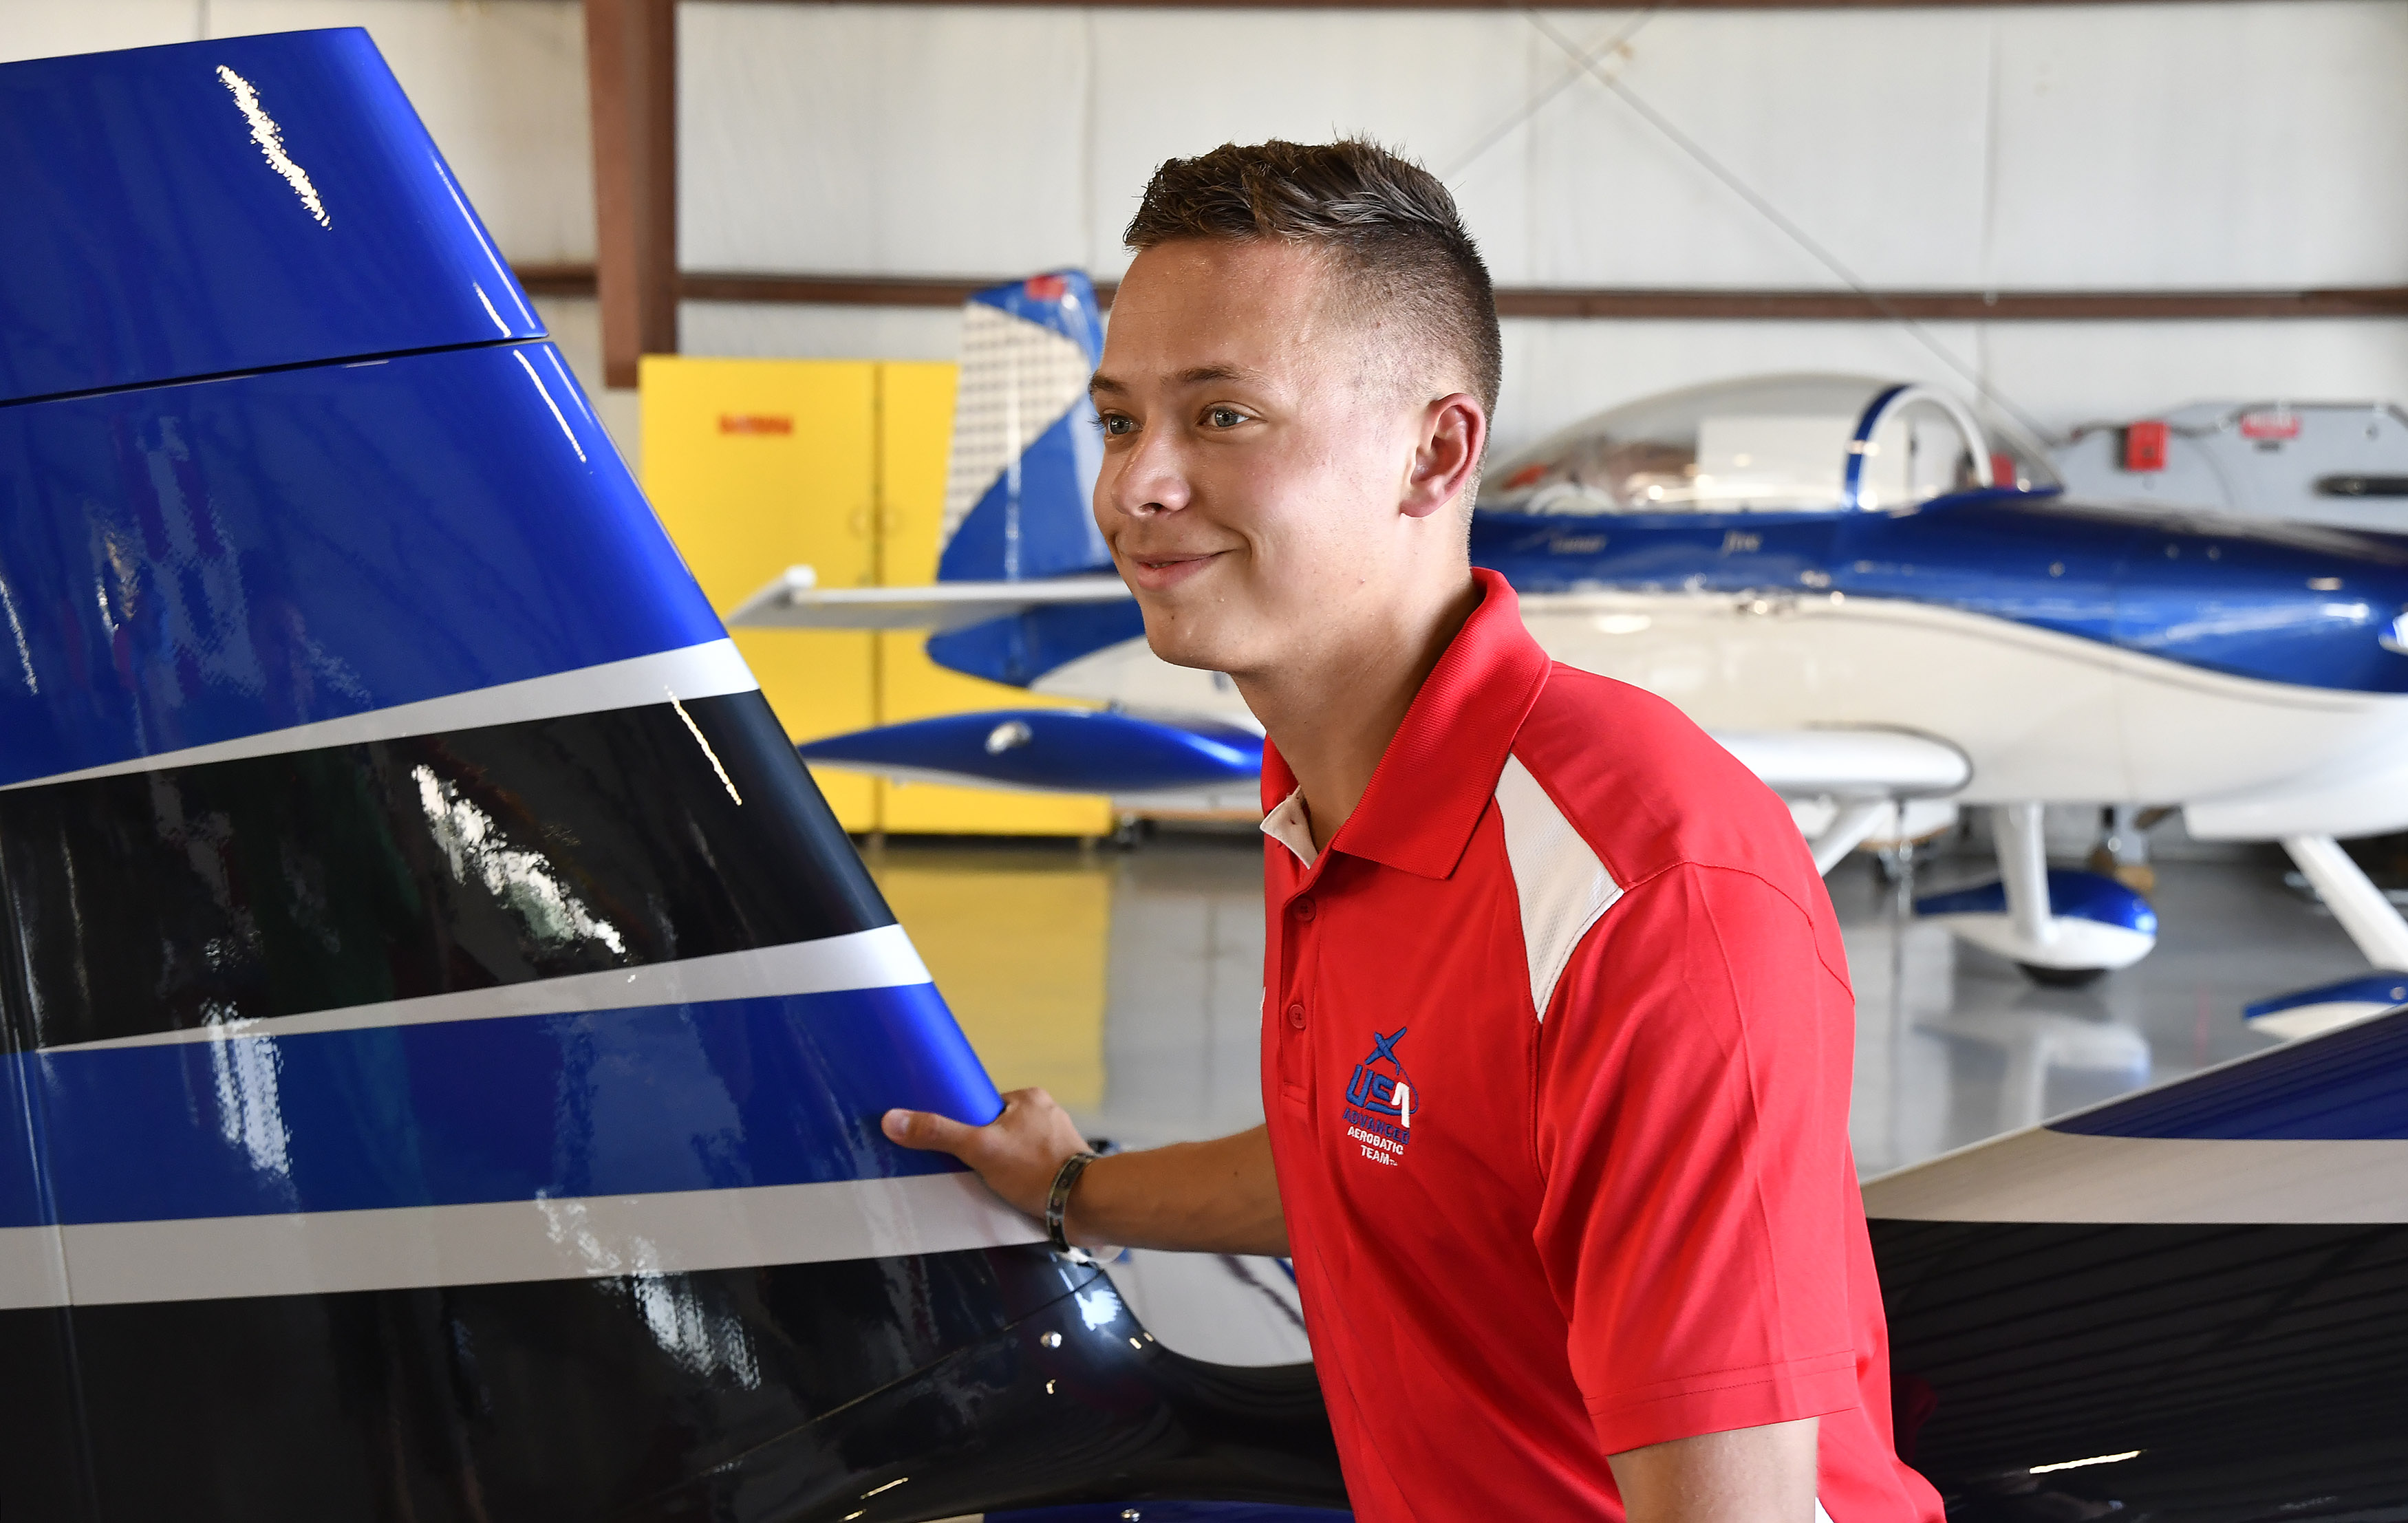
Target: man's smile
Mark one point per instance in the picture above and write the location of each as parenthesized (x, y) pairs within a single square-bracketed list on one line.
[(1160, 570)]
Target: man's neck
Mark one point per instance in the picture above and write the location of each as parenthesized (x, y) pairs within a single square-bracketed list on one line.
[(1333, 714)]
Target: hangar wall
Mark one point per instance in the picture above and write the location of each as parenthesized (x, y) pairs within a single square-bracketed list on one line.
[(1944, 148), (1968, 149), (1965, 149)]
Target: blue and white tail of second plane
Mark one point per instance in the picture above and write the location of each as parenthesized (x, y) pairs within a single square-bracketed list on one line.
[(1870, 602)]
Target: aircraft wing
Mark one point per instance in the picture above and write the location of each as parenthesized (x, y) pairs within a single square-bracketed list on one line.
[(1093, 751), (1134, 758), (797, 601)]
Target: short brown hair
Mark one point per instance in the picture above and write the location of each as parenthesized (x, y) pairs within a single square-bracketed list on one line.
[(1390, 223)]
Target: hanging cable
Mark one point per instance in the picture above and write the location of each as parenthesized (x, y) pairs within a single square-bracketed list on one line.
[(1586, 64), (1537, 102)]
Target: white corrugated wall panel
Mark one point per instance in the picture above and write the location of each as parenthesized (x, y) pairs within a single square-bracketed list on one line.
[(2203, 146), (901, 140)]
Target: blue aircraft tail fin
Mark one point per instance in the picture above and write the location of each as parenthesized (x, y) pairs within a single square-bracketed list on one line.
[(1026, 445), (443, 1031)]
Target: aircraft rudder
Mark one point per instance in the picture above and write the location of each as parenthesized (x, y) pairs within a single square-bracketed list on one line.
[(436, 984), (310, 216)]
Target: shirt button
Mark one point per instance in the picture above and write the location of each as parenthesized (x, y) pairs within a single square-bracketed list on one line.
[(1296, 1017), (1303, 908)]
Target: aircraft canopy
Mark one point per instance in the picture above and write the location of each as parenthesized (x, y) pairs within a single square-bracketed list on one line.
[(1778, 444)]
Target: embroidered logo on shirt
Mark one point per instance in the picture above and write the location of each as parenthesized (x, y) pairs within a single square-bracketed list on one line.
[(1380, 1101)]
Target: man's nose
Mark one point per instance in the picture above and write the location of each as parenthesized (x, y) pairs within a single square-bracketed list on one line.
[(1151, 478)]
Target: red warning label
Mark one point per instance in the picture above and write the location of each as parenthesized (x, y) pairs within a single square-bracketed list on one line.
[(755, 423), (2277, 423)]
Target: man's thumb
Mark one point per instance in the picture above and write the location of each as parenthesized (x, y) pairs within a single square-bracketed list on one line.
[(926, 1129)]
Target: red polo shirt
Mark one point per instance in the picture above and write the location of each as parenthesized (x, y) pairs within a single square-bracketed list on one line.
[(1557, 1045)]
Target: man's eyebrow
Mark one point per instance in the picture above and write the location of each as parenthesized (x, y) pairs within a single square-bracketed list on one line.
[(1103, 385)]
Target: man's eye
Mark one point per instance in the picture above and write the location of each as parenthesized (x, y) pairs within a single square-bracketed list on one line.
[(1224, 417), (1116, 424)]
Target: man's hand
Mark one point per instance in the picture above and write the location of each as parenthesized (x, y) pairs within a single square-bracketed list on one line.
[(1212, 1197), (1017, 1154), (1748, 1476)]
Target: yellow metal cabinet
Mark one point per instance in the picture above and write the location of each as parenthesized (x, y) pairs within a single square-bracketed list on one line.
[(755, 465), (916, 411)]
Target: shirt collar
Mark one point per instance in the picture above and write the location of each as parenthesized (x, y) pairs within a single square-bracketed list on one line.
[(1438, 774), (1286, 824)]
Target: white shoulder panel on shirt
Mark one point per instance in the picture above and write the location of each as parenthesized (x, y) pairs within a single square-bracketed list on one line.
[(1563, 886)]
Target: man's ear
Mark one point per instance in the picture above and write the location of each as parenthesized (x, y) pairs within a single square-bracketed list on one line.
[(1446, 454)]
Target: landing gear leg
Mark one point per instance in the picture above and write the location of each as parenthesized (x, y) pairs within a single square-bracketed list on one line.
[(2353, 897), (2062, 928), (1850, 824), (2372, 923), (2023, 867)]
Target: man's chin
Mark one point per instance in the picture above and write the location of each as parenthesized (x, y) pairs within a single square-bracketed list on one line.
[(1191, 654), (1191, 647)]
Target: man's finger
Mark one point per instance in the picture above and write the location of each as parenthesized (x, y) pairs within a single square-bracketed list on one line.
[(927, 1131)]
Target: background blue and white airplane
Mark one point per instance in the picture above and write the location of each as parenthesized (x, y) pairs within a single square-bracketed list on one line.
[(1868, 596)]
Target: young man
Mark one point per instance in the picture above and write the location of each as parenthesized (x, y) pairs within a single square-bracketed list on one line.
[(1556, 1032)]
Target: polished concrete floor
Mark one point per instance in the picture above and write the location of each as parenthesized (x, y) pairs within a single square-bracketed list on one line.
[(1127, 981)]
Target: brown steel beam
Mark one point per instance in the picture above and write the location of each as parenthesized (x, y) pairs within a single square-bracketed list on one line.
[(836, 290), (1499, 5), (555, 279), (631, 68), (1953, 305), (1619, 302)]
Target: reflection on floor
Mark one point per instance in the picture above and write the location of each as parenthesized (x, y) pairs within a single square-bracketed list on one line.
[(1018, 935), (1130, 984), (1954, 1045)]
